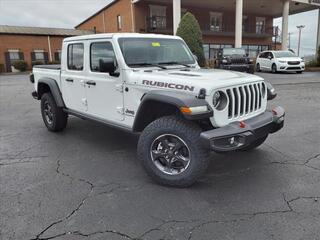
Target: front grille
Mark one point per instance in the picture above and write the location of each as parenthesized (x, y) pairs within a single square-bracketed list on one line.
[(293, 68), (238, 60), (293, 62), (245, 99)]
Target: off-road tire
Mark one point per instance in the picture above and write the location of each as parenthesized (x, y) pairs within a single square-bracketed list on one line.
[(190, 133), (59, 117), (255, 144)]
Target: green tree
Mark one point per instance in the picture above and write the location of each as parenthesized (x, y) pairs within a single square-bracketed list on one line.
[(189, 30)]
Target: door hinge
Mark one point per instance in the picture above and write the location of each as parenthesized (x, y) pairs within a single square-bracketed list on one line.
[(120, 110), (84, 101), (119, 87)]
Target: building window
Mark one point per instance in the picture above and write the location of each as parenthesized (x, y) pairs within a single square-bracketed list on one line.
[(158, 17), (100, 51), (245, 23), (14, 55), (215, 21), (119, 22), (39, 55), (260, 25), (57, 56), (75, 56)]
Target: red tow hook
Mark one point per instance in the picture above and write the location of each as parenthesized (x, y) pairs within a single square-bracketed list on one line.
[(242, 124)]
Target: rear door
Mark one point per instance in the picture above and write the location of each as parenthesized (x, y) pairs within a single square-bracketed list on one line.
[(104, 91), (73, 77)]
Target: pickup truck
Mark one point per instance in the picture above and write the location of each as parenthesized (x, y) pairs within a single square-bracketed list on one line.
[(152, 85), (234, 59)]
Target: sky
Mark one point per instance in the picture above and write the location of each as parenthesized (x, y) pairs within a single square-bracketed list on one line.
[(69, 13)]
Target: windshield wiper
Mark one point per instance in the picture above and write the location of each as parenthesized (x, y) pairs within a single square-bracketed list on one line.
[(175, 63), (147, 65)]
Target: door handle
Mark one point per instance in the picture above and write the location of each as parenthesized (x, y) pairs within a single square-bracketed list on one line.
[(69, 79), (91, 83)]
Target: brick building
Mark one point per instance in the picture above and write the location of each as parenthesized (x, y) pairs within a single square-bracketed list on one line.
[(32, 44), (240, 23)]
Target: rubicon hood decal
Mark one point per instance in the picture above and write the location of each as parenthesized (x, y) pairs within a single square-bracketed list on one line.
[(168, 85)]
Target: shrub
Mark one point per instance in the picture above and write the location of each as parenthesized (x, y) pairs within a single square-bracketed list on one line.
[(189, 30), (20, 65), (312, 63), (37, 63)]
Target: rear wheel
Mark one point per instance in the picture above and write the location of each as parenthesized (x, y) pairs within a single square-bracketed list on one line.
[(171, 152), (255, 144), (274, 68), (53, 116)]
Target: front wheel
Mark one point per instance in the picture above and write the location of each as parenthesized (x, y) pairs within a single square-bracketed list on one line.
[(255, 144), (299, 72), (274, 68), (171, 152), (53, 116)]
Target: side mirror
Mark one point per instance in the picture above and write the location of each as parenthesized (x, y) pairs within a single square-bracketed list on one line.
[(107, 65)]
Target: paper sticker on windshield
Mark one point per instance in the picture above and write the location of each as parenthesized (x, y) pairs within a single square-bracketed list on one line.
[(155, 44)]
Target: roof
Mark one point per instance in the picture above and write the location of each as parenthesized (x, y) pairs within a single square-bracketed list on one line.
[(119, 35), (95, 14), (5, 29)]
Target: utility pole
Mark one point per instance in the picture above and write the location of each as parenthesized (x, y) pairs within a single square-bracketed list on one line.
[(290, 33), (300, 27)]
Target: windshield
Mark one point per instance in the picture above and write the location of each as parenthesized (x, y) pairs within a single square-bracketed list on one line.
[(234, 51), (155, 51), (284, 54)]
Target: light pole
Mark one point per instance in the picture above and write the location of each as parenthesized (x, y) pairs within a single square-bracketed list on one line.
[(290, 33), (299, 40)]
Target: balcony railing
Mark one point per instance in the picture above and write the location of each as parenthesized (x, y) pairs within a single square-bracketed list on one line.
[(161, 24), (157, 23)]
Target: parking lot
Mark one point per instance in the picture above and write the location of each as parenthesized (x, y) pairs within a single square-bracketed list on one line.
[(86, 182)]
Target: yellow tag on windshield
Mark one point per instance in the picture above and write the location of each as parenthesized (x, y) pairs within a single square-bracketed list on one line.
[(155, 44)]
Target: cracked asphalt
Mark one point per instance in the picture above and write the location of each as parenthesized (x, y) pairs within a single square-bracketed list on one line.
[(86, 182)]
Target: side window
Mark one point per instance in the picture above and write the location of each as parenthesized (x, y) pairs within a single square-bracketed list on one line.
[(75, 57), (100, 51)]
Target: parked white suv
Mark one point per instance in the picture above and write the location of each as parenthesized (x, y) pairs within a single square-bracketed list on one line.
[(279, 61), (152, 84)]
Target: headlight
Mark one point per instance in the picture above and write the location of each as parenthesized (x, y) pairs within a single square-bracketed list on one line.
[(219, 100), (224, 61), (250, 60), (282, 61)]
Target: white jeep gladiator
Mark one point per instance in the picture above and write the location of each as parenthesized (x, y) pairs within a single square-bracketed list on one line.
[(152, 84)]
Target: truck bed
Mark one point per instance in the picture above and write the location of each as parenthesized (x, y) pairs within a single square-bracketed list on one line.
[(51, 67)]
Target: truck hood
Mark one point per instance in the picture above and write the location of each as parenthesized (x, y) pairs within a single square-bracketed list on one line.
[(295, 59), (192, 80)]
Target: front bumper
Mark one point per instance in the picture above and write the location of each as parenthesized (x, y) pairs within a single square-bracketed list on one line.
[(238, 135)]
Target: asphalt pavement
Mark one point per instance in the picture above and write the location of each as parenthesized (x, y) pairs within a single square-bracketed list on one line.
[(86, 182)]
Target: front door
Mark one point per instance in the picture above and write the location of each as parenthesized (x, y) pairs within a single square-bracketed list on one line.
[(73, 79), (104, 92)]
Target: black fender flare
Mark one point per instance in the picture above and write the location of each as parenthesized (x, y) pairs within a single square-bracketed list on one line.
[(54, 89), (175, 99)]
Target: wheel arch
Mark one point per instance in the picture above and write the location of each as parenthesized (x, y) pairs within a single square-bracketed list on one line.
[(50, 85), (156, 104)]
